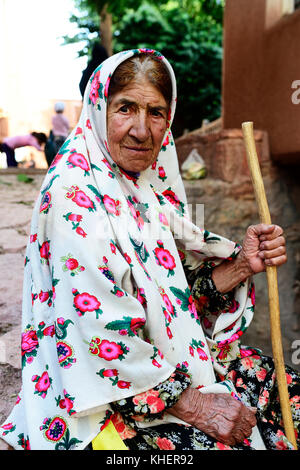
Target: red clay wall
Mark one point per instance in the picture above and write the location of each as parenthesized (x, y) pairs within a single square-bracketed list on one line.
[(260, 64)]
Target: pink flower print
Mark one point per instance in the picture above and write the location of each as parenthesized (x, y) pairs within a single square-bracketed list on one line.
[(164, 444), (192, 308), (202, 354), (43, 296), (161, 173), (252, 294), (165, 258), (78, 159), (109, 350), (221, 446), (141, 296), (166, 141), (43, 384), (110, 373), (163, 219), (155, 363), (75, 217), (82, 200), (113, 248), (57, 158), (81, 232), (72, 263), (123, 384), (29, 341), (88, 124), (49, 331), (191, 351), (127, 257), (169, 332), (167, 316), (137, 323), (33, 238), (118, 292), (86, 303), (45, 251), (7, 428), (94, 92), (78, 131), (107, 86), (172, 198), (112, 206)]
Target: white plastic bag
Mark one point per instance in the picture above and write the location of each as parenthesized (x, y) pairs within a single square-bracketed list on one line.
[(193, 167)]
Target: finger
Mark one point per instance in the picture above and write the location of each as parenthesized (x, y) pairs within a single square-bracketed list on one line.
[(262, 229), (270, 245), (276, 261), (271, 234), (269, 254)]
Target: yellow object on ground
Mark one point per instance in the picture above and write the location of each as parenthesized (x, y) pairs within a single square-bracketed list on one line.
[(108, 439)]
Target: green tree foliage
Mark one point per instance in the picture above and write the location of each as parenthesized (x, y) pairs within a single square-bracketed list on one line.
[(192, 44), (187, 32)]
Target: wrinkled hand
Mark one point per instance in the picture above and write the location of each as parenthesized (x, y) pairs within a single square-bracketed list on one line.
[(263, 245), (217, 414)]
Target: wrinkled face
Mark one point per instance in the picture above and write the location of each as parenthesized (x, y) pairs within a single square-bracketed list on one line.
[(136, 124)]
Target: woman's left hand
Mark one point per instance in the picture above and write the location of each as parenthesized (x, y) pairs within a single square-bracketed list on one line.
[(263, 245)]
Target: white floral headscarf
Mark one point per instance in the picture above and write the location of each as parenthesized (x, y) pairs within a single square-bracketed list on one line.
[(107, 311)]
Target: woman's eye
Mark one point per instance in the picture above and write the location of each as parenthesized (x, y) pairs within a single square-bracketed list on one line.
[(156, 113), (124, 109)]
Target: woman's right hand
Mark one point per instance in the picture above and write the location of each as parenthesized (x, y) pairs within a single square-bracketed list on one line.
[(217, 414)]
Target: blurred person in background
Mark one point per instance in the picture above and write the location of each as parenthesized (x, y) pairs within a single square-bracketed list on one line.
[(59, 132), (9, 144)]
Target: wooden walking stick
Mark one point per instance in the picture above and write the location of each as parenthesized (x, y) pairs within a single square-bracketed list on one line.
[(271, 272)]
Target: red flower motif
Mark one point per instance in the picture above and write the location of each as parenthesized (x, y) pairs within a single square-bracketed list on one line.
[(109, 350), (43, 383), (110, 373), (164, 443), (72, 263), (86, 302), (123, 384), (29, 341), (78, 159), (82, 200), (81, 232), (165, 258), (75, 217), (43, 296), (137, 323), (45, 251)]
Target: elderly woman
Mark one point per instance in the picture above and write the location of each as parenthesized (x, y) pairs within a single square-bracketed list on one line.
[(132, 315)]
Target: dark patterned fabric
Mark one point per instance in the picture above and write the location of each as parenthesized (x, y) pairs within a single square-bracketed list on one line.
[(254, 380)]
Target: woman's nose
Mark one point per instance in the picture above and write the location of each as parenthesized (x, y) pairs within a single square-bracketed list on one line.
[(140, 128)]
